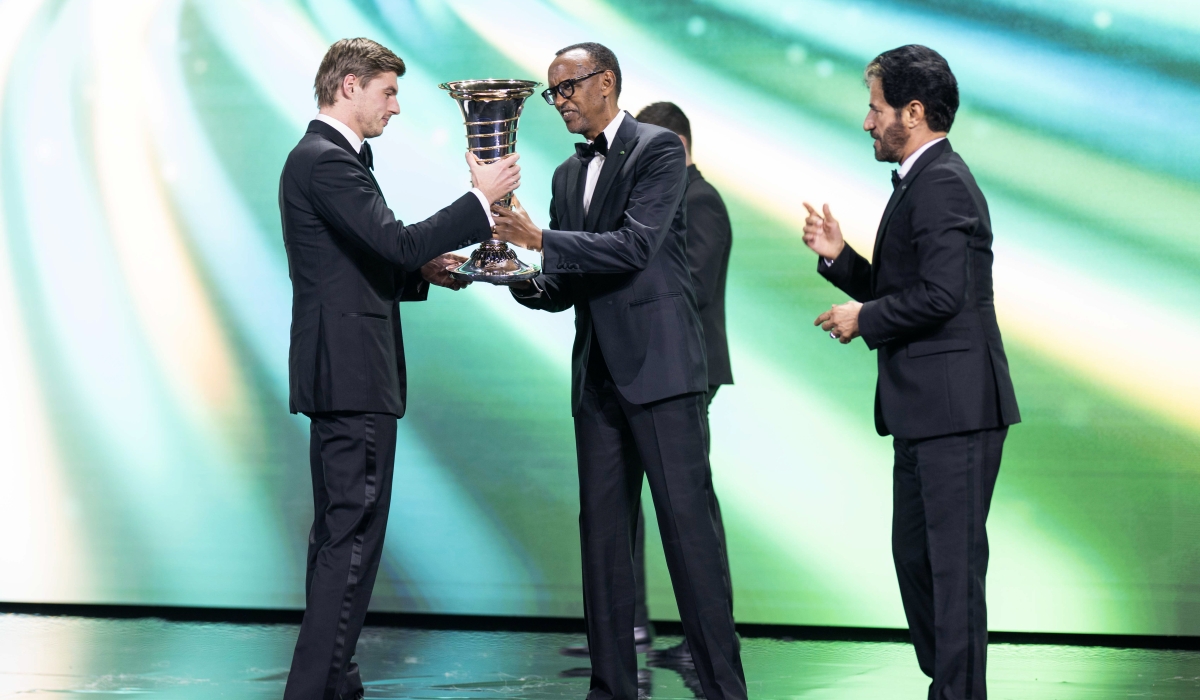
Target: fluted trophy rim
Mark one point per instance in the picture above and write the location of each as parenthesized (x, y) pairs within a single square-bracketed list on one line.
[(493, 88)]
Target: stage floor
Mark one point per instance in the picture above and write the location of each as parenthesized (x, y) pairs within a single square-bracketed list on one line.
[(70, 657)]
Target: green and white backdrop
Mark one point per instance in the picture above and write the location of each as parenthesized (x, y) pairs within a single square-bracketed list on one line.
[(148, 455)]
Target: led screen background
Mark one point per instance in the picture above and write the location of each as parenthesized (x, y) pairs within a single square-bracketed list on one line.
[(144, 303)]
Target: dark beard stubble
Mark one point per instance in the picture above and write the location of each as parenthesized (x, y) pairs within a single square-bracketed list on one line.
[(891, 144)]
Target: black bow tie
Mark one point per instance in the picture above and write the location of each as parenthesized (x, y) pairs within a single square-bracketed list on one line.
[(365, 157), (588, 151), (895, 179)]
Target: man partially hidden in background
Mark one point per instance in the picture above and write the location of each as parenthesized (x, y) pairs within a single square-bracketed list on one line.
[(709, 243), (924, 304), (350, 262), (616, 252)]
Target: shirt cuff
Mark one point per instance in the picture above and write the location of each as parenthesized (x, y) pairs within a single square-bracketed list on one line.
[(828, 262), (487, 206)]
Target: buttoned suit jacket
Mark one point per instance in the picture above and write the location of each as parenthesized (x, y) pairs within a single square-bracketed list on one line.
[(623, 267), (350, 261), (928, 306)]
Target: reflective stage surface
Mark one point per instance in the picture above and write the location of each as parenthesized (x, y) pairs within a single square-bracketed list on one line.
[(66, 657)]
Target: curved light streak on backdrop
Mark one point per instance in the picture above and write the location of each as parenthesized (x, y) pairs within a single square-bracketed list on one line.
[(144, 303)]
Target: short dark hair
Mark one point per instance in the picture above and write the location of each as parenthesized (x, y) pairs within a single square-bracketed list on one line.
[(360, 57), (916, 72), (669, 116), (602, 57)]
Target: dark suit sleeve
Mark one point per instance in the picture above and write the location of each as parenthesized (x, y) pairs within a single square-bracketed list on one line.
[(708, 234), (850, 272), (943, 220), (414, 287), (344, 196), (662, 178), (550, 292)]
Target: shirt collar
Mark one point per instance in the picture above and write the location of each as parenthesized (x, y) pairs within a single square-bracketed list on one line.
[(355, 142), (911, 160), (610, 131)]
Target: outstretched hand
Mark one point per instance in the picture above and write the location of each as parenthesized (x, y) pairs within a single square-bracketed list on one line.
[(437, 271), (823, 233)]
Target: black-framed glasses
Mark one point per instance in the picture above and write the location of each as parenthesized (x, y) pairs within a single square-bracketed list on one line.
[(566, 88)]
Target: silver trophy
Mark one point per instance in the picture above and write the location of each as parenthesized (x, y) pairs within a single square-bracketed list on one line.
[(490, 110)]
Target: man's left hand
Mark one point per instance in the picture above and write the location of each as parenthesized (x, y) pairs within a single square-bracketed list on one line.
[(515, 226), (437, 271), (841, 320)]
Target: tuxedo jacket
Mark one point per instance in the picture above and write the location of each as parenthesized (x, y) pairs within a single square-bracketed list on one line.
[(928, 307), (351, 261), (709, 242), (624, 267)]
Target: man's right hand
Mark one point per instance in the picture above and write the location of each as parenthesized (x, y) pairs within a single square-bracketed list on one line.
[(495, 179), (823, 233)]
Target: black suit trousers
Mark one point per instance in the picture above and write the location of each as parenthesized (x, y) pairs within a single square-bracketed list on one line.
[(352, 456), (617, 442), (641, 612), (942, 490)]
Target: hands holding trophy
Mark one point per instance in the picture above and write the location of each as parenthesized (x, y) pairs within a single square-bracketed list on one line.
[(490, 110)]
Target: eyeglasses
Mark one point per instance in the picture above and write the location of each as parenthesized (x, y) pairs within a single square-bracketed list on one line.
[(566, 88)]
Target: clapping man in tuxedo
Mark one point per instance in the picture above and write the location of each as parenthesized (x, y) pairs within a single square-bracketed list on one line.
[(924, 304), (615, 251), (351, 261)]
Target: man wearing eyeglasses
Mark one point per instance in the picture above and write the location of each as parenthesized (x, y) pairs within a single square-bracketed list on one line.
[(615, 250)]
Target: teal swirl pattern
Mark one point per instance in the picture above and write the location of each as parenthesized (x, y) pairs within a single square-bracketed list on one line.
[(144, 303)]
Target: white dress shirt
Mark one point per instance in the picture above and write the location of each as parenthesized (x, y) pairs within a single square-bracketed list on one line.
[(912, 159), (597, 164), (356, 144)]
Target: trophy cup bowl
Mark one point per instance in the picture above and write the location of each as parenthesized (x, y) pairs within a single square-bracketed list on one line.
[(490, 110)]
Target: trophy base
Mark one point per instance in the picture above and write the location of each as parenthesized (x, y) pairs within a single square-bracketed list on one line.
[(493, 262)]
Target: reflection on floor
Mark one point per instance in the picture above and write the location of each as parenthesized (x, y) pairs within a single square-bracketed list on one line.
[(72, 657)]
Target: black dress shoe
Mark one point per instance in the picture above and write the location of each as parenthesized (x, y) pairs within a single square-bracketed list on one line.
[(352, 687), (643, 642), (670, 657)]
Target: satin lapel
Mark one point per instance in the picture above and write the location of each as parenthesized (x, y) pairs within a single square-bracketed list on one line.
[(897, 196), (621, 146), (373, 181), (574, 194), (319, 127)]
